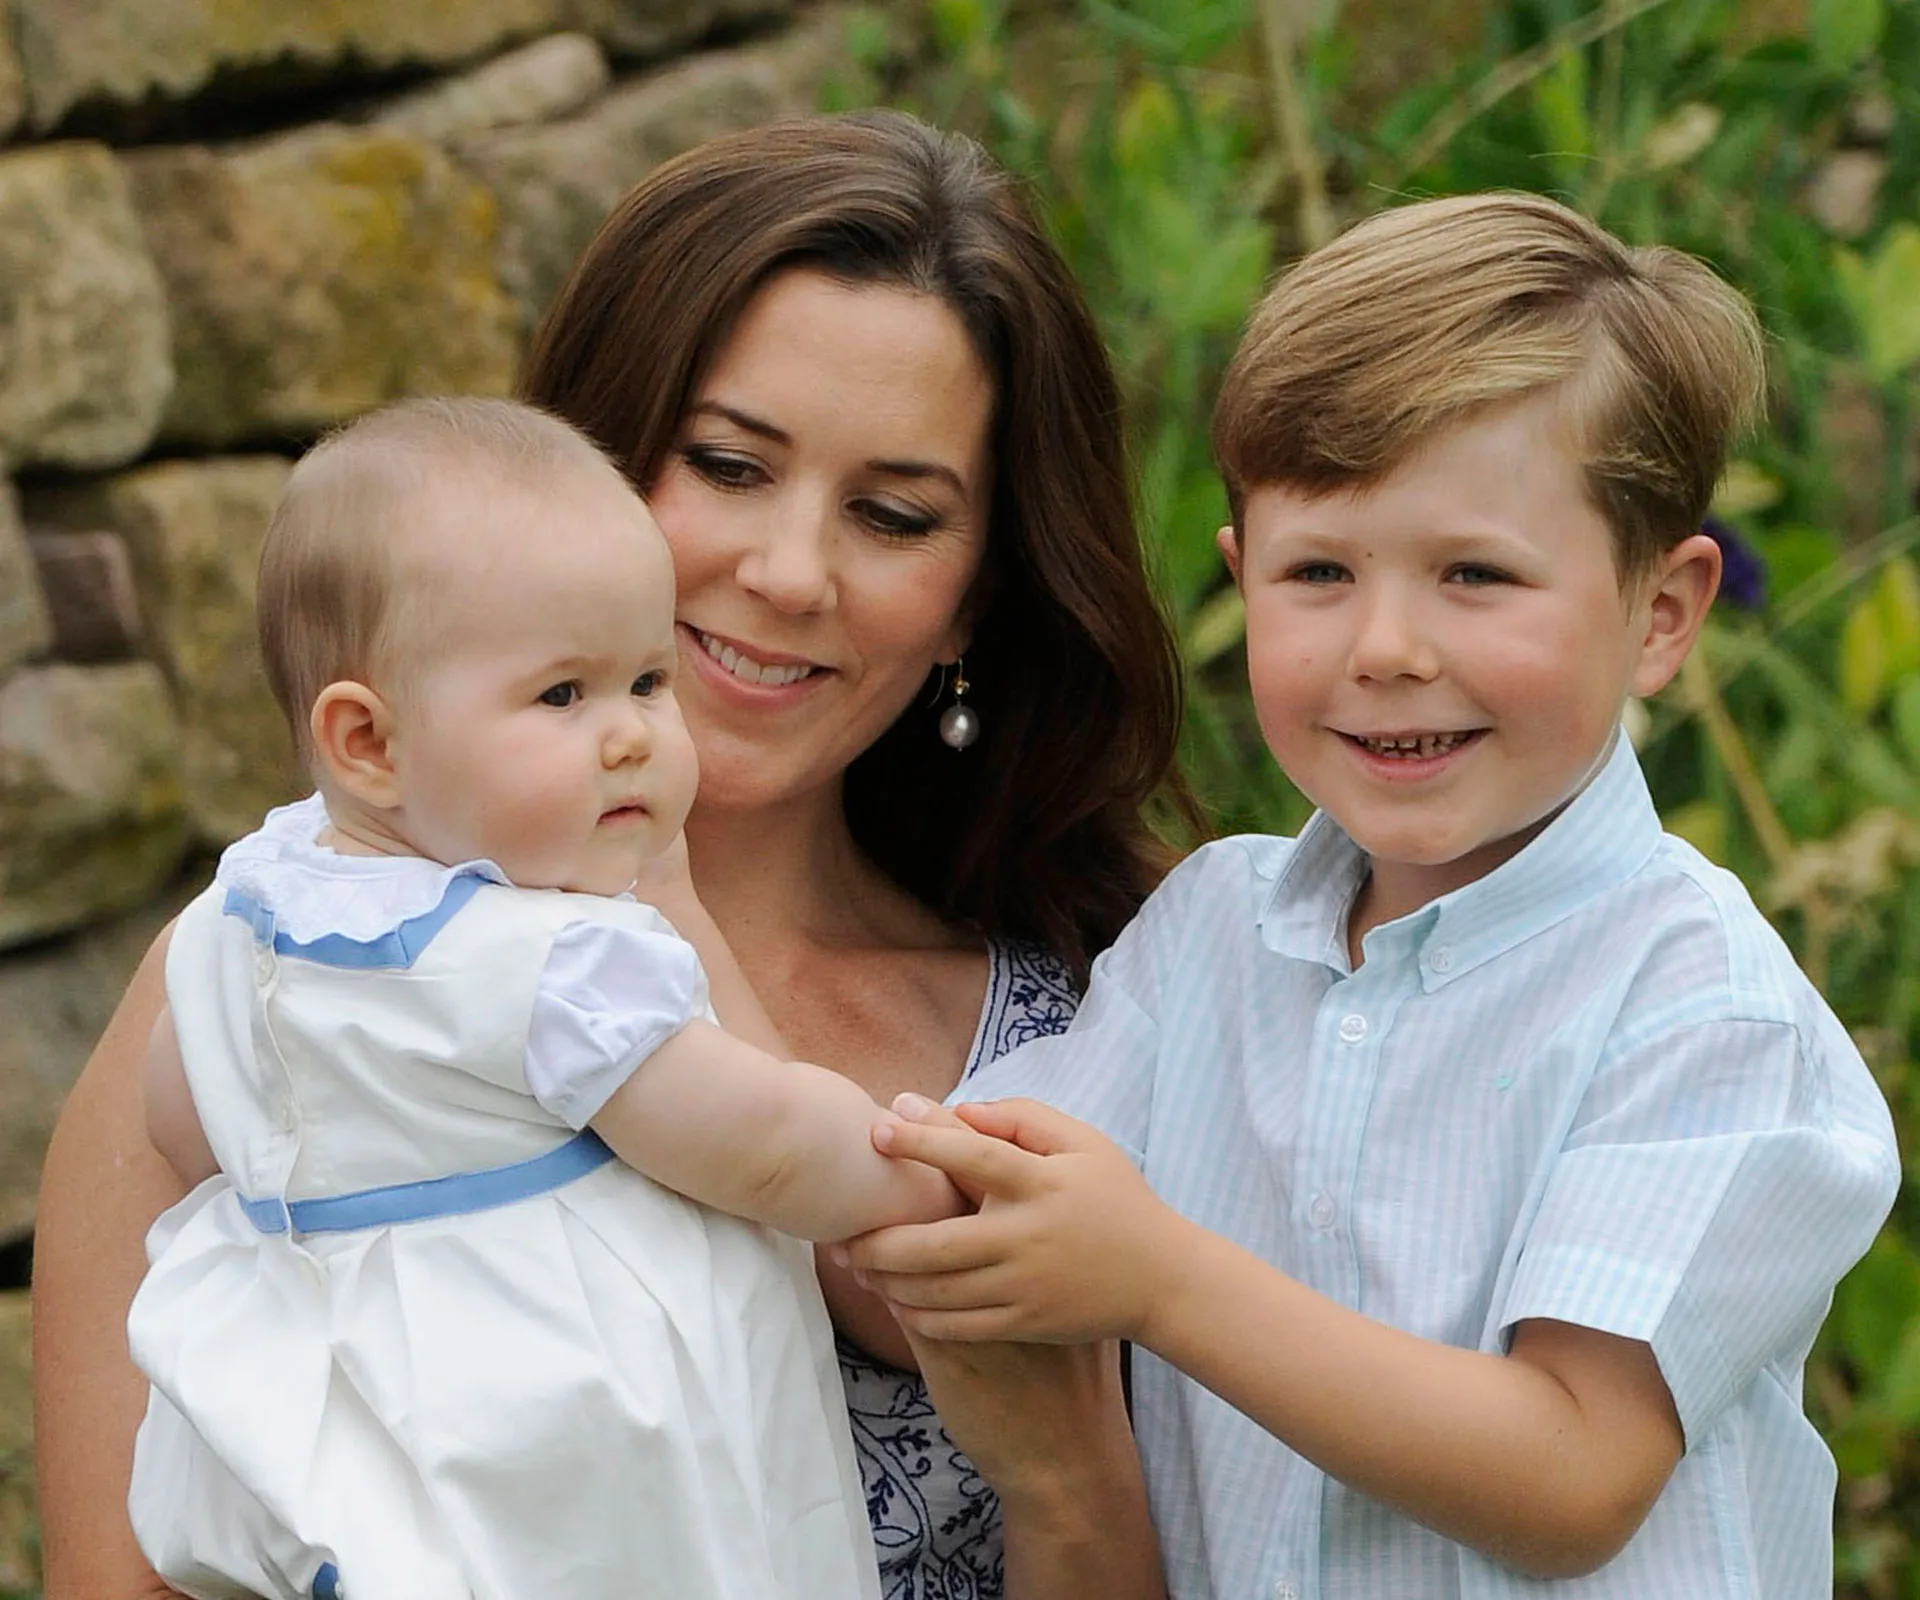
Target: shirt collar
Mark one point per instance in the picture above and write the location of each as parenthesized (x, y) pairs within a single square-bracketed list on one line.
[(1605, 835)]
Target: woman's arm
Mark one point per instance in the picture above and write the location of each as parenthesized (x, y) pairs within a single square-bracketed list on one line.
[(1047, 1427), (102, 1186)]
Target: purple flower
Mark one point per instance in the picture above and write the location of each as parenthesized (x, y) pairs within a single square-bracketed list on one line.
[(1743, 574)]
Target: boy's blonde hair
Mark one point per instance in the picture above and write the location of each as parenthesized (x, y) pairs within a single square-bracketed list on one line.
[(329, 604), (1419, 317)]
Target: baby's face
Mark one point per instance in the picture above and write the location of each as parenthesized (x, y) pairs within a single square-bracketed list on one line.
[(536, 723)]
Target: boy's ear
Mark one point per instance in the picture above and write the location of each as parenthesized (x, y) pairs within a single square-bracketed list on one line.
[(1674, 603), (1229, 542), (352, 731)]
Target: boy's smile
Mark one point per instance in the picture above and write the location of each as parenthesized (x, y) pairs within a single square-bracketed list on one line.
[(1440, 660)]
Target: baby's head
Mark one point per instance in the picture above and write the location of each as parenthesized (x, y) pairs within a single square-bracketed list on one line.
[(467, 616), (1468, 448)]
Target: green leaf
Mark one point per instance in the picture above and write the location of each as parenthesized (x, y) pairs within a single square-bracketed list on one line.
[(1863, 658), (1843, 31), (1703, 824), (1883, 295), (1560, 107), (1906, 716), (1876, 1304)]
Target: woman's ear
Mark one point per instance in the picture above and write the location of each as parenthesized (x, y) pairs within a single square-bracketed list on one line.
[(1672, 608), (352, 730)]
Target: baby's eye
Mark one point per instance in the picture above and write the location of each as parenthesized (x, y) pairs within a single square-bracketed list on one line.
[(561, 695), (649, 684)]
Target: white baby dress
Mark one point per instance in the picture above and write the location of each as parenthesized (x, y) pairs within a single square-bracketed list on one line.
[(422, 1340)]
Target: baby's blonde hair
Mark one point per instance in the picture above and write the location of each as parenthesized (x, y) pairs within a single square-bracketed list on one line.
[(1421, 316), (329, 604)]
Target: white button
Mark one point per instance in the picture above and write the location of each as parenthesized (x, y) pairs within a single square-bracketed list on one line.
[(263, 963), (1441, 960), (1320, 1212), (283, 1114), (1353, 1027), (1286, 1589)]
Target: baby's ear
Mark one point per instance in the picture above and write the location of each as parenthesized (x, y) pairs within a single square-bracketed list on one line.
[(352, 731)]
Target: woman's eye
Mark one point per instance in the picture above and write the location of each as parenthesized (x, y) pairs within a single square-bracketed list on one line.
[(895, 521), (561, 695), (649, 684), (723, 467)]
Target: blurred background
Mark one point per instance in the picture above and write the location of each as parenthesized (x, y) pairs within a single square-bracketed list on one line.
[(223, 228)]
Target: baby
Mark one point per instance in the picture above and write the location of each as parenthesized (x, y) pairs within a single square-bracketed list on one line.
[(479, 1293)]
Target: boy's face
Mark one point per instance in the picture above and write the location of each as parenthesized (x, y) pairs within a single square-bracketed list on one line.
[(1440, 661), (537, 724)]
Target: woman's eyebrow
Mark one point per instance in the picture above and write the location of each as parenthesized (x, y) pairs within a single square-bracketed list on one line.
[(744, 420), (921, 469)]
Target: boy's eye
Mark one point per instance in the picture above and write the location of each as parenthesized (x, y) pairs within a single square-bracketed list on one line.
[(1475, 576), (561, 695), (1319, 572), (649, 683)]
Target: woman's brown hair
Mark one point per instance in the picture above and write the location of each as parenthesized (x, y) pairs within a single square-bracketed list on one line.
[(1037, 831)]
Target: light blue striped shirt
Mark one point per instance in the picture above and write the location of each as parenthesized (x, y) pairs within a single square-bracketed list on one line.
[(1591, 1086)]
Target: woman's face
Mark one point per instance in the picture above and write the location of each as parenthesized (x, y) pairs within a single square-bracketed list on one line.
[(826, 505)]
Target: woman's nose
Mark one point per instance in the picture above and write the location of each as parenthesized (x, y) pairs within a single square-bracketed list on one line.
[(790, 565)]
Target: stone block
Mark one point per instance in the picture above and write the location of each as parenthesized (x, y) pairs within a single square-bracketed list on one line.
[(85, 368), (19, 1558), (87, 578), (193, 529), (56, 997), (26, 626), (96, 54), (93, 819), (317, 274), (642, 30), (554, 184), (553, 77)]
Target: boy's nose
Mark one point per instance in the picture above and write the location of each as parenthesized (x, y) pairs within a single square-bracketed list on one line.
[(1391, 641), (629, 738)]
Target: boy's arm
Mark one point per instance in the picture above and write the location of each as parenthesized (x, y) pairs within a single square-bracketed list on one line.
[(1547, 1458), (786, 1143), (173, 1125)]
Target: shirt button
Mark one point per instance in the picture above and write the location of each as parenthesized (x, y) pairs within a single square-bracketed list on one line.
[(263, 963), (1353, 1027), (1286, 1589), (1441, 960), (1321, 1211), (283, 1114)]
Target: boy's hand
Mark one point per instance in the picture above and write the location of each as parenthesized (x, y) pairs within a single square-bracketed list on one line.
[(1069, 1244)]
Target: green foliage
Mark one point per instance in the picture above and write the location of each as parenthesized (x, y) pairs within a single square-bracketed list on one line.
[(1184, 148)]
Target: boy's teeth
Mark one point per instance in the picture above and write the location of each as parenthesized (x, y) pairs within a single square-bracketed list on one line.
[(1418, 747), (745, 668)]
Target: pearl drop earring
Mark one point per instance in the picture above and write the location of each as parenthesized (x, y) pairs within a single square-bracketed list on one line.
[(959, 723)]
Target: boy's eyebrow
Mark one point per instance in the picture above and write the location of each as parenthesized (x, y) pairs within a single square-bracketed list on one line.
[(747, 422)]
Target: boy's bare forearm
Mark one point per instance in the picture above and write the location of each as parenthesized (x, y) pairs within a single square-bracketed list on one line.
[(1498, 1452)]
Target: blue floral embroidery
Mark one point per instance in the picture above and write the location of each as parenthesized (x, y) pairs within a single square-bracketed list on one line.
[(936, 1524)]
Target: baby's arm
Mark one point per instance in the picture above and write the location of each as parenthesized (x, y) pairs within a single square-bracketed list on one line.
[(1547, 1459), (173, 1125), (786, 1143)]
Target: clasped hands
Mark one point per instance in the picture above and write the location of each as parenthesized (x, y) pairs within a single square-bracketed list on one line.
[(1068, 1243)]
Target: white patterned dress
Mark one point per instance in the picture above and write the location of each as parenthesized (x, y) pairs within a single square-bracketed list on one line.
[(936, 1524)]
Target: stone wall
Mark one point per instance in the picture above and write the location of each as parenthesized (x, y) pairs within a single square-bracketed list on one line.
[(222, 228)]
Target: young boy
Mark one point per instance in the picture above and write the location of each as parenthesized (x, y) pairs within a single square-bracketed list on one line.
[(1496, 1164)]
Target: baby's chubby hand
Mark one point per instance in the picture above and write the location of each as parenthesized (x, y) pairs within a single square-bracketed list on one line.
[(1069, 1244)]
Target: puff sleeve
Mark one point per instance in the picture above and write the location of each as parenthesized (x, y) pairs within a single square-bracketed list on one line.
[(611, 994)]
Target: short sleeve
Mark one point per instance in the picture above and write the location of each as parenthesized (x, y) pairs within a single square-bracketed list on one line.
[(610, 995), (1716, 1185), (1101, 1069)]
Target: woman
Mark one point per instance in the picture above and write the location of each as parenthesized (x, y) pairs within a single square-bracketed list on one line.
[(876, 424)]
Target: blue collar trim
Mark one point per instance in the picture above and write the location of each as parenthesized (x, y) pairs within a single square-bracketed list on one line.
[(397, 947)]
